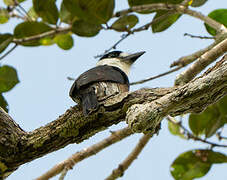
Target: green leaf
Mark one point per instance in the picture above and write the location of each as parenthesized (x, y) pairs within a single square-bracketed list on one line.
[(4, 16), (93, 11), (66, 16), (205, 122), (3, 103), (5, 40), (197, 3), (222, 104), (28, 29), (219, 15), (32, 14), (47, 10), (165, 23), (11, 2), (215, 157), (47, 41), (175, 129), (20, 1), (188, 166), (8, 78), (64, 41), (8, 2), (85, 29), (210, 120), (195, 163), (125, 23)]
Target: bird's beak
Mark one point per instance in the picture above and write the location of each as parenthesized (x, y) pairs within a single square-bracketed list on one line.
[(133, 57)]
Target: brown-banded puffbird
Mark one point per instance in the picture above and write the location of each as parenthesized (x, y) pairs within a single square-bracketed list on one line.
[(108, 78)]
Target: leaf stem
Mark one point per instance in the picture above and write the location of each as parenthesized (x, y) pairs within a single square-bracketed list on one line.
[(8, 52)]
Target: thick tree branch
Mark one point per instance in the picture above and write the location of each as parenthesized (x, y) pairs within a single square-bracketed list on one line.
[(192, 97), (185, 60), (145, 109)]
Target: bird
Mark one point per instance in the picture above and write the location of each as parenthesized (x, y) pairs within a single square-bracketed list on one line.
[(108, 78)]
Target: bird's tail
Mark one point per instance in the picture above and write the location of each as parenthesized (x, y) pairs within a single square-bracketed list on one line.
[(89, 101)]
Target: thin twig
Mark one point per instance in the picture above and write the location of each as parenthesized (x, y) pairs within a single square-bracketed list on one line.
[(63, 174), (71, 79), (155, 77), (87, 152), (45, 34), (18, 16), (18, 10), (220, 137), (173, 9), (200, 37), (8, 52), (185, 60), (16, 3), (27, 15), (190, 135), (118, 172), (124, 36), (141, 28)]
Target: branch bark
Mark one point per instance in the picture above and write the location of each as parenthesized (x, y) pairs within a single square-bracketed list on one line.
[(194, 96), (206, 59), (85, 153), (143, 110)]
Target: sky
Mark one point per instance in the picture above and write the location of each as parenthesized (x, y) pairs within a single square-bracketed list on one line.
[(42, 95)]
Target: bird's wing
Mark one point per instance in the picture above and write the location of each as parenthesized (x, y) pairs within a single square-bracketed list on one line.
[(99, 74)]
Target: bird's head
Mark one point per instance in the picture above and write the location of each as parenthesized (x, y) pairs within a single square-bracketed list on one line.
[(119, 59)]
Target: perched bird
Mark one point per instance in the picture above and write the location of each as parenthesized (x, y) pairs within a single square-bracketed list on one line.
[(107, 79)]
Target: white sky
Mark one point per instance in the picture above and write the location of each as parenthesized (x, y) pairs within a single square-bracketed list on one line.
[(42, 95)]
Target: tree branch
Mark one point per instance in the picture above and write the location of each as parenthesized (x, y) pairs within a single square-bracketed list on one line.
[(85, 153), (8, 52), (185, 60), (118, 172), (143, 110), (45, 34), (130, 32), (194, 96), (178, 9), (189, 135), (206, 59), (220, 137), (200, 37), (155, 77)]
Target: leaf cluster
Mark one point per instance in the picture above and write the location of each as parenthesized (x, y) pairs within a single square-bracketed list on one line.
[(197, 163)]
